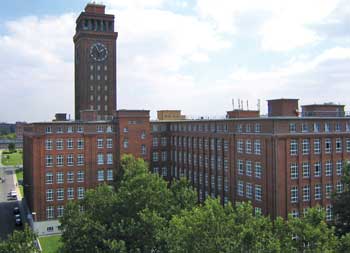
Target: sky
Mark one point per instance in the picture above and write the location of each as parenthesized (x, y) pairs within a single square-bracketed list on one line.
[(196, 56)]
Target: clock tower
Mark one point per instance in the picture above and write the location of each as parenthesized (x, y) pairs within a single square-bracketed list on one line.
[(95, 63)]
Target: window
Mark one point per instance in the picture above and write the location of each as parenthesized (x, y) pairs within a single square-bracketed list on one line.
[(249, 190), (239, 146), (125, 143), (304, 127), (339, 187), (318, 192), (49, 215), (109, 158), (48, 144), (317, 127), (48, 130), (109, 129), (81, 192), (225, 145), (258, 192), (80, 176), (338, 145), (294, 173), (258, 170), (59, 130), (156, 170), (100, 159), (48, 161), (49, 195), (100, 129), (143, 135), (70, 177), (60, 210), (328, 190), (99, 143), (328, 168), (317, 146), (337, 127), (239, 128), (100, 175), (109, 175), (155, 142), (59, 144), (70, 129), (59, 177), (240, 188), (329, 212), (293, 147), (80, 143), (328, 146), (125, 130), (257, 147), (339, 167), (69, 143), (295, 213), (318, 169), (80, 129), (70, 193), (247, 128), (49, 178), (143, 149), (306, 169), (347, 145), (164, 171), (60, 194), (80, 160), (248, 146), (240, 167), (292, 127), (306, 193), (59, 160), (306, 146), (109, 143), (164, 156), (70, 160), (257, 128), (248, 168), (155, 156), (294, 194), (327, 127)]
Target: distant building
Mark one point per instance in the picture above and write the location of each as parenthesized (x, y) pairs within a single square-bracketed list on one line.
[(170, 115)]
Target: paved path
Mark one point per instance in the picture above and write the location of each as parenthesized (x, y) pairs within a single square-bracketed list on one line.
[(7, 223)]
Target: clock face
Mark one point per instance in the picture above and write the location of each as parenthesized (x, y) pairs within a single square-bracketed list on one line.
[(98, 52)]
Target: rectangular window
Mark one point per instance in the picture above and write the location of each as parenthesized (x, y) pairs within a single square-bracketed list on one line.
[(338, 145), (318, 192), (258, 170), (305, 127), (248, 146), (70, 193), (258, 192), (165, 171), (109, 143), (240, 188), (109, 175), (49, 195), (59, 144), (59, 130), (80, 176), (164, 141), (329, 213), (317, 146), (318, 169), (60, 210), (59, 178), (59, 160), (293, 147), (48, 130), (100, 129), (70, 177), (328, 168), (70, 129), (247, 128), (257, 128), (339, 168), (328, 146), (239, 146), (225, 145), (48, 144), (317, 127), (164, 156), (155, 157), (80, 143), (248, 168), (240, 167), (109, 158), (337, 127), (70, 160), (60, 194), (294, 172), (50, 213), (339, 187), (100, 159), (306, 193), (257, 147), (100, 175), (143, 149), (306, 147), (292, 127), (327, 127), (69, 143), (81, 192), (80, 129), (125, 143), (49, 178), (249, 190), (328, 190), (80, 160), (155, 142), (48, 161), (294, 194), (306, 169), (99, 143), (347, 145)]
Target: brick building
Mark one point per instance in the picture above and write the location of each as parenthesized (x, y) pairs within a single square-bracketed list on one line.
[(283, 163)]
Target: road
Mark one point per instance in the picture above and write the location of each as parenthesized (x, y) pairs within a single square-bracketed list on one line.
[(7, 223)]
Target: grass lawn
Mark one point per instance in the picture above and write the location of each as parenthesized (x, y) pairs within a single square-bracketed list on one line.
[(50, 244), (12, 159), (19, 175)]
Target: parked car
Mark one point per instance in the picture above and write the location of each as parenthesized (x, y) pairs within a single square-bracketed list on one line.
[(12, 195), (18, 220), (16, 210)]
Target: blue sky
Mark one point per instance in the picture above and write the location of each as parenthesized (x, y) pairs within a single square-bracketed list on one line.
[(193, 55)]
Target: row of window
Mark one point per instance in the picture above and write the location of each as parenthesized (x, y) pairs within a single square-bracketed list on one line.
[(60, 195), (189, 142), (49, 160), (328, 144), (79, 129), (101, 143), (317, 193), (249, 168), (70, 175), (306, 171), (247, 191), (215, 127), (189, 158), (163, 141), (248, 147), (328, 209), (316, 127)]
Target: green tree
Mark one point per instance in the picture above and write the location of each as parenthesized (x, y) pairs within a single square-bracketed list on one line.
[(11, 147), (20, 241)]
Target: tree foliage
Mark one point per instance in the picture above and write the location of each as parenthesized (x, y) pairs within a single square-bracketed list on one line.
[(20, 241)]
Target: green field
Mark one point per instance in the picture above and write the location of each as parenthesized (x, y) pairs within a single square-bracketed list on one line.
[(12, 159), (50, 244), (19, 175)]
